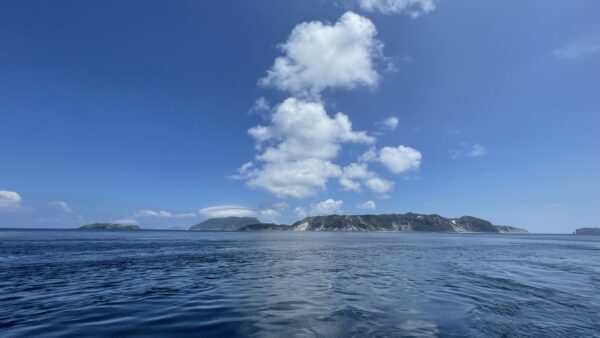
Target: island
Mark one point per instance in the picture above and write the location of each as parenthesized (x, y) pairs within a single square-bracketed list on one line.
[(225, 224), (510, 229), (265, 226), (588, 231), (409, 222), (109, 226)]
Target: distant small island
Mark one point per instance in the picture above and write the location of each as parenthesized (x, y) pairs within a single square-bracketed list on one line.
[(109, 226), (225, 223), (265, 226), (408, 222), (588, 231)]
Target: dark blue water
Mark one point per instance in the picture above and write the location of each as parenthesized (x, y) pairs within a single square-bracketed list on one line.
[(279, 284)]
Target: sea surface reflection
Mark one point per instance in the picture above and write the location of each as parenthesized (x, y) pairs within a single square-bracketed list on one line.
[(274, 284)]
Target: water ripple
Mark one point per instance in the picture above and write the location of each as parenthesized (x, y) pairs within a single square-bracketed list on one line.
[(148, 283)]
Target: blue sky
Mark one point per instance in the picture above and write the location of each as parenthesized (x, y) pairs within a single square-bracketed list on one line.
[(166, 113)]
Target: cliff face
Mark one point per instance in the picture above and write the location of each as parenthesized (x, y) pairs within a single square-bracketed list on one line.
[(510, 229), (225, 224), (399, 222), (588, 231)]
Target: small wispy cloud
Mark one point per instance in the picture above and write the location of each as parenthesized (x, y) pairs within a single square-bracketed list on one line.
[(452, 130), (272, 212), (468, 150), (163, 214), (261, 107), (477, 150), (414, 8), (389, 123), (300, 212), (368, 205), (62, 205), (576, 50)]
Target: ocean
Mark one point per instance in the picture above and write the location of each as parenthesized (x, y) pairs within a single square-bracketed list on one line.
[(72, 283)]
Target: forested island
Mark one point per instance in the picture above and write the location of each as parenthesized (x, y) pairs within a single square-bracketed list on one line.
[(409, 222), (588, 231), (109, 226)]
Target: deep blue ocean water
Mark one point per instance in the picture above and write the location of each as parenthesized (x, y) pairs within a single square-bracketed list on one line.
[(56, 283)]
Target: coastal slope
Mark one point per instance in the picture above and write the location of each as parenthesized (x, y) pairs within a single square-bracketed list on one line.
[(408, 222), (225, 223), (265, 226), (588, 231)]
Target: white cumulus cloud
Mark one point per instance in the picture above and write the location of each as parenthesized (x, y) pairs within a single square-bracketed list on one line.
[(414, 8), (355, 175), (318, 56), (351, 174), (297, 179), (367, 205), (9, 200), (227, 211), (326, 207), (303, 130), (379, 185), (391, 123), (400, 159), (297, 149)]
